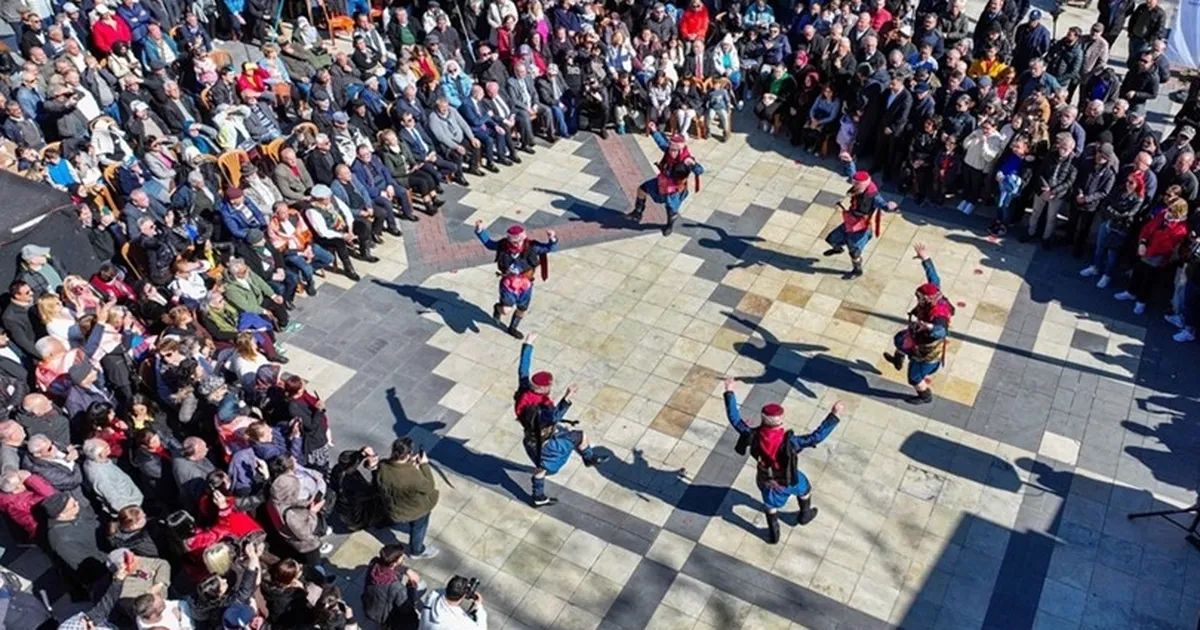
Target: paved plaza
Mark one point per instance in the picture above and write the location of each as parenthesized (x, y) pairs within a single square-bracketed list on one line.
[(1001, 505)]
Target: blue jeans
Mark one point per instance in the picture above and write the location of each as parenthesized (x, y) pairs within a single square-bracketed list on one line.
[(560, 119), (322, 259), (570, 112), (1105, 258), (354, 7), (849, 168), (416, 535), (286, 287)]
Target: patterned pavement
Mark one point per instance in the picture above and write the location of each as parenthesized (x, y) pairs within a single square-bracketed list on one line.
[(1001, 505)]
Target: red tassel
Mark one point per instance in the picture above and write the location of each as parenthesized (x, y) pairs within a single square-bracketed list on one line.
[(544, 262), (878, 223), (697, 178)]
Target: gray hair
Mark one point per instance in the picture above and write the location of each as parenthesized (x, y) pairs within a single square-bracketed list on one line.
[(93, 448), (37, 443), (195, 177), (47, 345), (11, 483)]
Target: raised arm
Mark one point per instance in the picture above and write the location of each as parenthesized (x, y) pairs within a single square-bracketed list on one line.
[(931, 274), (731, 408), (827, 426), (526, 362), (550, 245), (485, 238)]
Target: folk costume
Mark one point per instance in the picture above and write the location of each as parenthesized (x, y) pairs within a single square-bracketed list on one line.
[(670, 186), (775, 450), (547, 441), (860, 220), (517, 258), (924, 340)]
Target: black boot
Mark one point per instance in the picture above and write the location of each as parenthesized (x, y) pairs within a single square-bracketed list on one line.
[(497, 314), (639, 207), (896, 359), (512, 326), (833, 251), (807, 511), (923, 397), (855, 272), (670, 226), (773, 527)]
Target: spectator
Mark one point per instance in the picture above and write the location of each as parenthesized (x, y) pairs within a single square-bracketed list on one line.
[(453, 608), (408, 494)]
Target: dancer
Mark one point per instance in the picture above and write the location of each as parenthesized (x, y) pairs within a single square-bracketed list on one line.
[(775, 449), (547, 441), (924, 340), (861, 218), (669, 187), (517, 257)]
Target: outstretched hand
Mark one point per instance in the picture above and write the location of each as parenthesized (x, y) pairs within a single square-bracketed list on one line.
[(530, 338), (921, 250), (838, 409), (728, 384), (478, 227)]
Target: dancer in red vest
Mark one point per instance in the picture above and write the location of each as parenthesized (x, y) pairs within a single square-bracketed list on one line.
[(517, 258), (670, 186), (775, 450), (860, 220), (924, 340)]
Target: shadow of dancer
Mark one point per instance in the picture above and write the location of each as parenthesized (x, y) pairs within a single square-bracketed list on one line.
[(606, 217), (849, 376), (453, 453), (745, 253), (459, 314)]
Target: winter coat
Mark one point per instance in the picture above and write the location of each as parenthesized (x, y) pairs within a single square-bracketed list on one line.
[(388, 599), (407, 492), (19, 506), (1161, 237), (1095, 183), (1056, 173), (111, 485)]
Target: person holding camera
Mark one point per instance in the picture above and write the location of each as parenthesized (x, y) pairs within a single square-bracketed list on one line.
[(391, 591), (408, 494), (459, 605)]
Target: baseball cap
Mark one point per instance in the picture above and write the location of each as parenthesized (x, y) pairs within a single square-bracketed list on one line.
[(1188, 131), (321, 191), (69, 7), (1035, 15), (138, 106), (341, 117)]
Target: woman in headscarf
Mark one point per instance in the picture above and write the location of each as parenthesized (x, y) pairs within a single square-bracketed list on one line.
[(305, 36)]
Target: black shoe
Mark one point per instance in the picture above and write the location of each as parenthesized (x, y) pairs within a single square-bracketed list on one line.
[(514, 159), (528, 149), (543, 501), (594, 460), (377, 239), (438, 203), (281, 359), (896, 359), (807, 512), (352, 275), (368, 258), (832, 251), (491, 168), (922, 398), (604, 134), (853, 273), (439, 189), (772, 528), (496, 314), (406, 217), (460, 180), (311, 290), (636, 215), (476, 172), (504, 162), (668, 228), (514, 332), (396, 231)]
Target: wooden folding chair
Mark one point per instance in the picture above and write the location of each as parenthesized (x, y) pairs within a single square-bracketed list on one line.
[(110, 176), (135, 259), (336, 21), (221, 58), (272, 149), (56, 146)]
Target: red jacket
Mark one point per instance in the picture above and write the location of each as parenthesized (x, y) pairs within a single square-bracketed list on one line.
[(118, 289), (256, 82), (105, 35), (1161, 236), (19, 506), (694, 23)]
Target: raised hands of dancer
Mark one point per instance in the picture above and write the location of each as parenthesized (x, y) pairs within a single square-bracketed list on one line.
[(921, 250)]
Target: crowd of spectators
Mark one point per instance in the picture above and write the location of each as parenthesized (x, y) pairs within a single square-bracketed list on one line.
[(153, 444)]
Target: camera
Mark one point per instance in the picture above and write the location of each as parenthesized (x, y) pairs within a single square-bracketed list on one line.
[(472, 588)]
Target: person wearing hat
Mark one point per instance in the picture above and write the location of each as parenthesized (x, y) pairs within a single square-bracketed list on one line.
[(108, 29), (775, 451), (1031, 41), (239, 214), (71, 533), (861, 218), (924, 340), (268, 264), (517, 260), (86, 389), (145, 125), (1181, 142), (39, 270), (547, 442), (335, 228), (670, 186)]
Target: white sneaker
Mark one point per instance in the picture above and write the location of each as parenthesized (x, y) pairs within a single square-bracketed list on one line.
[(1174, 320), (326, 548), (1088, 272), (1185, 335), (1102, 283), (1123, 296), (1139, 308)]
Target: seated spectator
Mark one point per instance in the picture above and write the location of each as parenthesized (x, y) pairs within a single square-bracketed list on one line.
[(20, 493)]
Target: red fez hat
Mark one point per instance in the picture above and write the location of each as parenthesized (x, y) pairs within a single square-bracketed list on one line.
[(516, 230), (773, 410), (862, 176), (928, 289), (233, 192), (678, 139), (542, 379)]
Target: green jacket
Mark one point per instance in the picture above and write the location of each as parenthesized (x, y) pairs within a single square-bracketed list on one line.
[(408, 492), (248, 299)]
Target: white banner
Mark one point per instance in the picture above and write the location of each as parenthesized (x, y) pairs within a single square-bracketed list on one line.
[(1183, 47)]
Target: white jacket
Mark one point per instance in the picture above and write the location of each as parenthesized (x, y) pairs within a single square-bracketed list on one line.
[(981, 152), (439, 614)]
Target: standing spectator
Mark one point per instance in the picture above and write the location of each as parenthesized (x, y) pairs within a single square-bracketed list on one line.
[(1092, 187), (1156, 245), (1147, 23), (391, 592), (408, 494), (1052, 182)]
